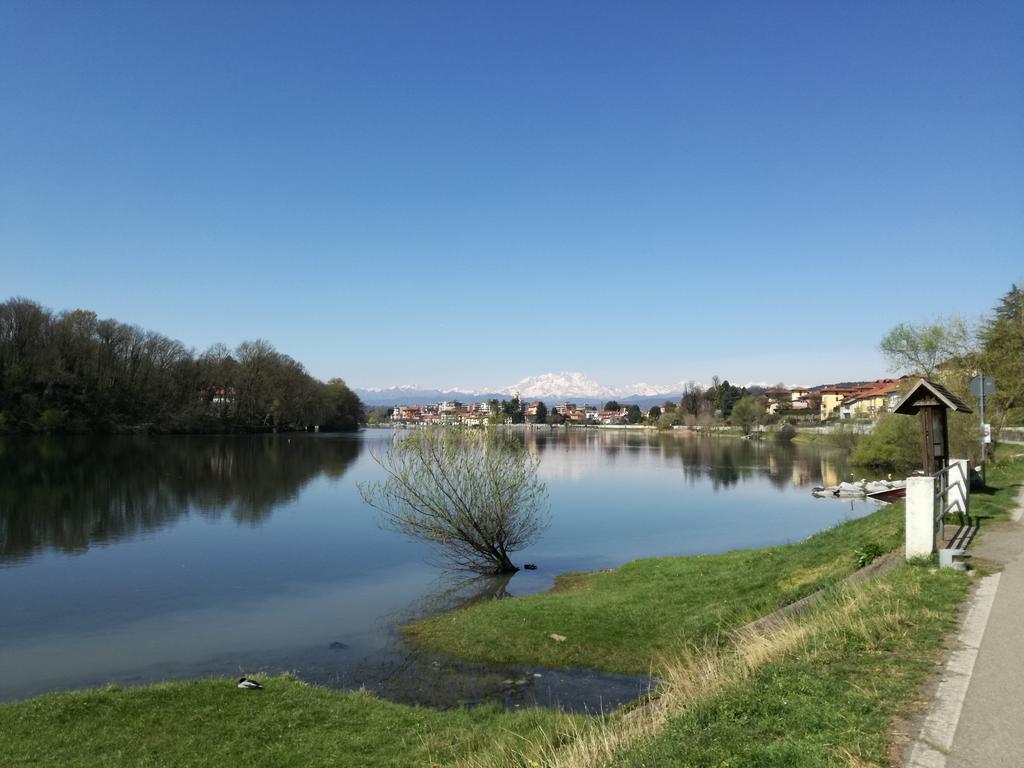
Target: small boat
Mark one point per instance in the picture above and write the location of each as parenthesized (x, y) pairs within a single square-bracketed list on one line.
[(890, 494)]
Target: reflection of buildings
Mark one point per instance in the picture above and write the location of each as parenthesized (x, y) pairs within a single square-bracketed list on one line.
[(829, 472), (801, 474), (804, 468)]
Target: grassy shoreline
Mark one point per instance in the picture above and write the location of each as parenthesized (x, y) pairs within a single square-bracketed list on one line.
[(629, 618), (211, 722)]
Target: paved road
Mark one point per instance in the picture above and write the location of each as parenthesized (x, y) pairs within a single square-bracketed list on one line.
[(976, 716), (990, 733)]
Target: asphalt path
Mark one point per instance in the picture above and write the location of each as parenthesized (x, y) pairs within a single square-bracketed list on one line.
[(976, 717), (991, 728)]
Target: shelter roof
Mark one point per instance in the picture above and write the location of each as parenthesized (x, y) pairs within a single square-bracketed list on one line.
[(929, 394)]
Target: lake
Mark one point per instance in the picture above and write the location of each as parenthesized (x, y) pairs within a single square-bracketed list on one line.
[(139, 559)]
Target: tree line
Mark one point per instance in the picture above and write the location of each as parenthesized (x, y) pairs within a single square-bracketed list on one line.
[(951, 351), (71, 371)]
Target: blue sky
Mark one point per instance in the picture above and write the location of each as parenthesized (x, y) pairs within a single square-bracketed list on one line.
[(470, 193)]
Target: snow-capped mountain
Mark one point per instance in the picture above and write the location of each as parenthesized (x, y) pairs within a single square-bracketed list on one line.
[(550, 387), (577, 385)]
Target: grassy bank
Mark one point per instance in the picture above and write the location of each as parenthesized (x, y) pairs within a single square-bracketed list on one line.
[(627, 619), (827, 689), (834, 699), (211, 722)]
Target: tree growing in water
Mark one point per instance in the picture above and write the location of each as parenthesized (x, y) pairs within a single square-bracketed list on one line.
[(475, 496)]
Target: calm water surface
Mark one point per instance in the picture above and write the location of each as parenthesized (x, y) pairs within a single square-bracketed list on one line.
[(132, 560)]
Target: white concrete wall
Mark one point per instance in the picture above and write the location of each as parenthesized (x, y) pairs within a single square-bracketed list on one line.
[(920, 517), (959, 483)]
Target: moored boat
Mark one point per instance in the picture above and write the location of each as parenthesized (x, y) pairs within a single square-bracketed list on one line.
[(889, 495), (878, 490)]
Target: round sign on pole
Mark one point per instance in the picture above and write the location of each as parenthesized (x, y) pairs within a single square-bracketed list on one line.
[(983, 386)]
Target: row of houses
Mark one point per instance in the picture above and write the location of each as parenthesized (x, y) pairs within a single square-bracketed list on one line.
[(487, 412), (588, 414), (448, 412), (865, 400)]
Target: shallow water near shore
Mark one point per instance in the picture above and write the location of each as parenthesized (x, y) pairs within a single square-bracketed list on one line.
[(139, 559)]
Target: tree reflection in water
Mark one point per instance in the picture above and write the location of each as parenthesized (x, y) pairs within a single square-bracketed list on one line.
[(725, 461), (67, 493)]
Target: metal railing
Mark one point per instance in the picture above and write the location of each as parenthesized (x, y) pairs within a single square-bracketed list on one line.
[(951, 494)]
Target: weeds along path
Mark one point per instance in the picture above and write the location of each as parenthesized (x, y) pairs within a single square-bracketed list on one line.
[(848, 620)]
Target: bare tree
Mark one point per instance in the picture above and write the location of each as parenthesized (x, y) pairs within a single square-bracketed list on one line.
[(474, 495)]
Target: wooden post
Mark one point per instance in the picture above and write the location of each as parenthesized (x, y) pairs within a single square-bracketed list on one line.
[(942, 461), (927, 458), (935, 446)]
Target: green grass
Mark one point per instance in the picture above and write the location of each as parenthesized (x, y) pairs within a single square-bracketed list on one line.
[(627, 619), (211, 722), (1003, 482), (833, 703)]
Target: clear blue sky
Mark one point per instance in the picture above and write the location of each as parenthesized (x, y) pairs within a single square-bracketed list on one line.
[(470, 193)]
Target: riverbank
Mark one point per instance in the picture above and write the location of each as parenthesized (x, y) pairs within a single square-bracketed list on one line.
[(824, 689), (628, 619), (211, 722)]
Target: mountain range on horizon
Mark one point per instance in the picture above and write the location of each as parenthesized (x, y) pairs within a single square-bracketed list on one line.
[(570, 385)]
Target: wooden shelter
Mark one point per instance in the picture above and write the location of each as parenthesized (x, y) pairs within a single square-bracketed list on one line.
[(932, 401)]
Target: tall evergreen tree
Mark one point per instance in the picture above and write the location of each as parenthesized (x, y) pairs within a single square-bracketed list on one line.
[(1003, 350)]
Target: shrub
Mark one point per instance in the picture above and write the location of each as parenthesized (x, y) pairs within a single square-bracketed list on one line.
[(667, 420), (51, 420), (868, 554), (785, 433), (843, 437), (894, 444)]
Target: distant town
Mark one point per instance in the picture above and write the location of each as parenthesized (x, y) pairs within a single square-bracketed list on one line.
[(698, 406)]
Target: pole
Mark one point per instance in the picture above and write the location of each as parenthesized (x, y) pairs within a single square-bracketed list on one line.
[(982, 431)]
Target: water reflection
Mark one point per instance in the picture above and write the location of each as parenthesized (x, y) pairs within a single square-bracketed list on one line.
[(249, 553), (69, 493), (725, 462)]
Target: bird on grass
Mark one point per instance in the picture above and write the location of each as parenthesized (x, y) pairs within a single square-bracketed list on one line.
[(248, 685)]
